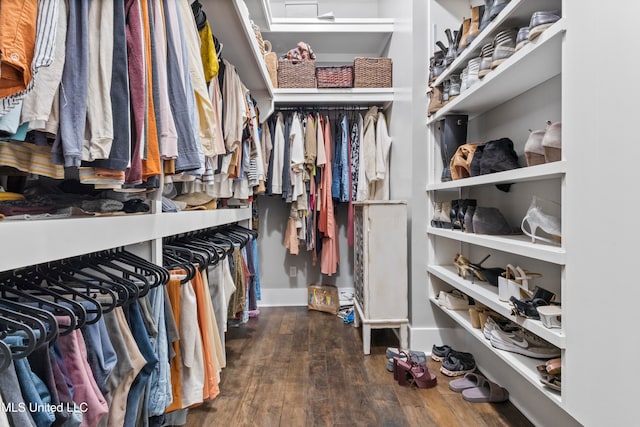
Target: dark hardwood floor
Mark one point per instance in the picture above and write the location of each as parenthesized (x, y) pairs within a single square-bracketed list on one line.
[(295, 367)]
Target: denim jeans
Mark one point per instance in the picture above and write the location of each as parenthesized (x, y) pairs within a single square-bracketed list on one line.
[(160, 394), (34, 391), (100, 352), (136, 392)]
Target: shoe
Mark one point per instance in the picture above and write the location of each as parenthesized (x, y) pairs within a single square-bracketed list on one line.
[(464, 35), (463, 207), (552, 381), (437, 211), (486, 52), (522, 343), (497, 7), (468, 218), (445, 221), (489, 274), (470, 380), (490, 221), (417, 356), (438, 353), (540, 21), (515, 282), (522, 39), (553, 366), (503, 325), (453, 134), (407, 372), (473, 70), (435, 100), (453, 214), (436, 66), (446, 85), (551, 316), (457, 363), (452, 49), (474, 316), (537, 219), (463, 79), (527, 308), (474, 27), (533, 149), (498, 155), (552, 142), (486, 15), (460, 164), (454, 88), (454, 300), (486, 392), (504, 46), (466, 270)]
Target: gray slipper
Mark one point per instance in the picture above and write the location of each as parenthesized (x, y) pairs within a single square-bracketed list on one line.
[(470, 380), (486, 391)]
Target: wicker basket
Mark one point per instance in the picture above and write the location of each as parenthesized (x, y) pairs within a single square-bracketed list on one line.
[(372, 72), (271, 59), (332, 77), (296, 74)]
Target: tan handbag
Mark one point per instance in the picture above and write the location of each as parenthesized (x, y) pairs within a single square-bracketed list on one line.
[(271, 59), (460, 164)]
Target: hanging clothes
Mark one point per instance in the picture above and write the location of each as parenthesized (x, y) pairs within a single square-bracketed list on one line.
[(380, 188)]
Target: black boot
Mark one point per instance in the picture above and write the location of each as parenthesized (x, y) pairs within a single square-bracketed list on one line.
[(453, 134)]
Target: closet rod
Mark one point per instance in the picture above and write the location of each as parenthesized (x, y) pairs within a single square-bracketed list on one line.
[(329, 108)]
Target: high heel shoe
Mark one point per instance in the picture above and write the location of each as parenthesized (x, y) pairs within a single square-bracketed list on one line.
[(537, 219), (409, 372), (466, 269)]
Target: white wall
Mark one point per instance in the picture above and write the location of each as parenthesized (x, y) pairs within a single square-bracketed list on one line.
[(340, 8), (275, 261)]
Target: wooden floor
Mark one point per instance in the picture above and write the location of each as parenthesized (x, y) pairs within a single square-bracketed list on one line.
[(294, 367)]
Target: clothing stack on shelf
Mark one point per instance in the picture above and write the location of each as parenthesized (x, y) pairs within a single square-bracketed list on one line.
[(113, 339), (116, 94), (317, 160)]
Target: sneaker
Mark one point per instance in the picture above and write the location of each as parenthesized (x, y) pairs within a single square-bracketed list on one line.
[(417, 356), (523, 343), (458, 363), (454, 300), (492, 324), (439, 353)]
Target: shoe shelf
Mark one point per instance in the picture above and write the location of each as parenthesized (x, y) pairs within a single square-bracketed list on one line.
[(524, 70), (523, 365), (531, 173), (516, 14), (516, 244), (35, 242), (488, 296)]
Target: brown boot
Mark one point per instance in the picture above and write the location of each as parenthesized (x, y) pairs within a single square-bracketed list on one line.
[(466, 26), (435, 102), (474, 26)]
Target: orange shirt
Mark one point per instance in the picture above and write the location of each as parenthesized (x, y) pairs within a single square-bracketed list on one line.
[(17, 45)]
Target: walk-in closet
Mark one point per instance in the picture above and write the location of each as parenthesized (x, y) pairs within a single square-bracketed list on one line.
[(317, 212)]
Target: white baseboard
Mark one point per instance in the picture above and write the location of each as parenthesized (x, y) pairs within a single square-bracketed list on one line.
[(423, 339), (295, 297)]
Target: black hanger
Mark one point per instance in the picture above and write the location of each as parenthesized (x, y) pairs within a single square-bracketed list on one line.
[(28, 299), (102, 262), (179, 258), (8, 326), (119, 292), (143, 265), (41, 322), (5, 356), (25, 280)]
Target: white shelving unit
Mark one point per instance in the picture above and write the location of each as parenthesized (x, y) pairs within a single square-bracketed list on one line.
[(526, 75), (35, 242), (230, 22), (348, 96)]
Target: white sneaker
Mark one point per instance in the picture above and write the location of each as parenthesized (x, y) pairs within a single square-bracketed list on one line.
[(454, 300), (491, 324), (523, 343)]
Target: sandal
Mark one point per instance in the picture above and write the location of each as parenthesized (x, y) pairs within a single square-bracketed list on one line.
[(486, 392), (470, 380), (552, 381)]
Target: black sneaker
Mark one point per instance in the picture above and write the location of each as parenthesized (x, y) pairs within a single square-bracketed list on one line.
[(458, 363), (439, 353)]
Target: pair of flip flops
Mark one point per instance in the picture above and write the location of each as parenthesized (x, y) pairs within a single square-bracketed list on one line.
[(478, 389)]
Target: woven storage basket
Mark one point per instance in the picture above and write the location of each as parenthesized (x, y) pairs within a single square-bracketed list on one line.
[(296, 74), (331, 77), (372, 72), (271, 59)]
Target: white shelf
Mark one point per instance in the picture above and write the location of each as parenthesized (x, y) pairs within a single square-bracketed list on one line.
[(532, 173), (229, 20), (348, 96), (35, 242), (517, 244), (516, 14), (533, 64), (333, 42), (488, 296), (523, 365)]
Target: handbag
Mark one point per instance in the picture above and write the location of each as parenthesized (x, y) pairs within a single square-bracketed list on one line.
[(460, 165)]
